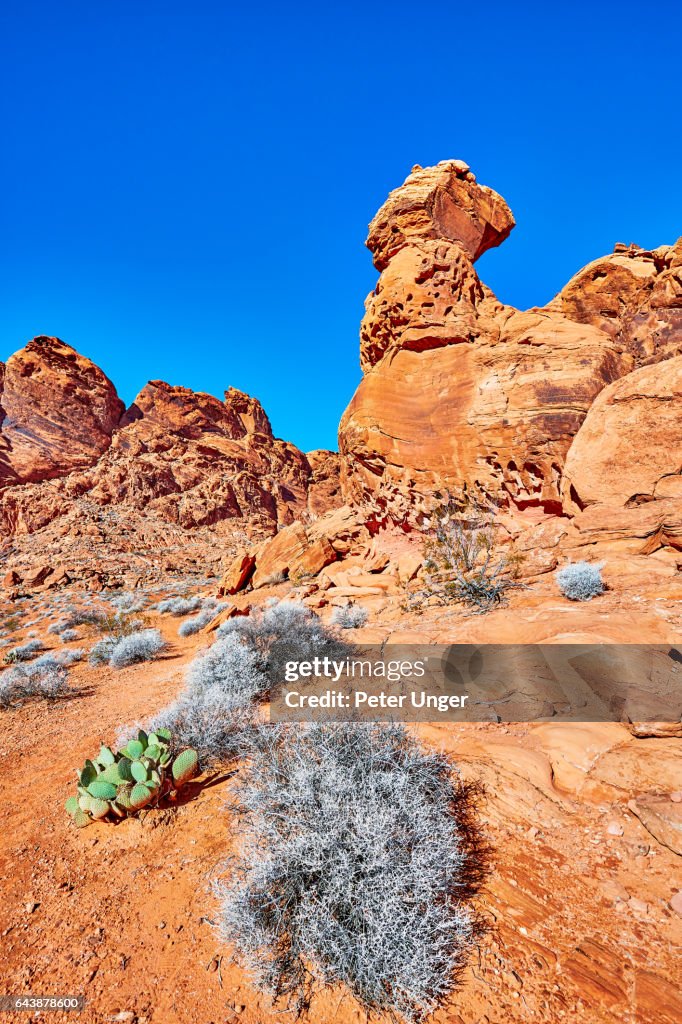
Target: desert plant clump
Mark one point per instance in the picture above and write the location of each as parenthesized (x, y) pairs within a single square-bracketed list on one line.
[(179, 606), (118, 785), (215, 713), (462, 557), (349, 616), (127, 602), (24, 652), (67, 636), (144, 645), (209, 609), (101, 652), (350, 869), (284, 631), (580, 581), (44, 678)]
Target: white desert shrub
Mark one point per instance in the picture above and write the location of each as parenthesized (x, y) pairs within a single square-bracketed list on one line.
[(284, 631), (102, 650), (215, 713), (136, 647), (68, 636), (178, 605), (71, 656), (45, 678), (209, 609), (580, 581), (24, 652), (351, 870), (127, 602), (349, 616)]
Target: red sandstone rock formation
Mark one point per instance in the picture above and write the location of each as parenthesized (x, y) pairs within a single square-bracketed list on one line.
[(457, 386), (114, 482), (59, 412)]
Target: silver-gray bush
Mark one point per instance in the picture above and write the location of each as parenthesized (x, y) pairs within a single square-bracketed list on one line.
[(349, 869), (580, 581)]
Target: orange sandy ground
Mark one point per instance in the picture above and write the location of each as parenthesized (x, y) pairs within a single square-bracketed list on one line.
[(580, 927)]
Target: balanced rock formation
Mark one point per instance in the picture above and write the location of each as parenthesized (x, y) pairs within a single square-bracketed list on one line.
[(59, 411), (459, 388)]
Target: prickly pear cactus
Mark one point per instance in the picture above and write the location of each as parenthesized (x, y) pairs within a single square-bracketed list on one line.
[(118, 785)]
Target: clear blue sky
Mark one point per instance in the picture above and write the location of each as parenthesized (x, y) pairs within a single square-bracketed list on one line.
[(186, 186)]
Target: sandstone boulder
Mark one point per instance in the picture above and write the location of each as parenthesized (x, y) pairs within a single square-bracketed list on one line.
[(292, 554), (628, 450)]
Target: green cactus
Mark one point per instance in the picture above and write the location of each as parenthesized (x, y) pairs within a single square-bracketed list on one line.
[(139, 771), (134, 749), (123, 797), (105, 756), (88, 774), (185, 766), (102, 790), (118, 785), (140, 796), (72, 806), (99, 808), (112, 774)]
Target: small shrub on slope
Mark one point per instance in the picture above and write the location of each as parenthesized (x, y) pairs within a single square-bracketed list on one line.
[(349, 616), (45, 678), (215, 713), (580, 581), (118, 652), (136, 647), (208, 612), (349, 869), (178, 605), (284, 631), (24, 652)]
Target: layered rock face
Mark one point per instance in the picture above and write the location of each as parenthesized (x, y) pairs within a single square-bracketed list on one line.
[(59, 411), (95, 477), (459, 388)]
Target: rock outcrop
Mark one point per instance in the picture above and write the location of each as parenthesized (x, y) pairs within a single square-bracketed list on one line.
[(458, 387), (59, 412), (91, 476)]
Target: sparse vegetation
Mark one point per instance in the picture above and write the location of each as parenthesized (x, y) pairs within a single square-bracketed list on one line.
[(209, 609), (580, 581), (462, 556), (45, 678), (179, 606), (349, 616), (351, 869), (144, 645), (215, 713), (24, 652), (68, 636)]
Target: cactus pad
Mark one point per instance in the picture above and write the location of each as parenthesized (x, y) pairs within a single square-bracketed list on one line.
[(134, 749), (72, 806), (140, 795), (139, 771), (99, 808), (102, 790), (185, 766), (105, 756)]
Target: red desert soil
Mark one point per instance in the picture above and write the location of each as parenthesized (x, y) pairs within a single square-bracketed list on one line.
[(577, 902)]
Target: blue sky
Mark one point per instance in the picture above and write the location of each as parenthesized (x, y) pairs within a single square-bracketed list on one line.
[(186, 187)]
